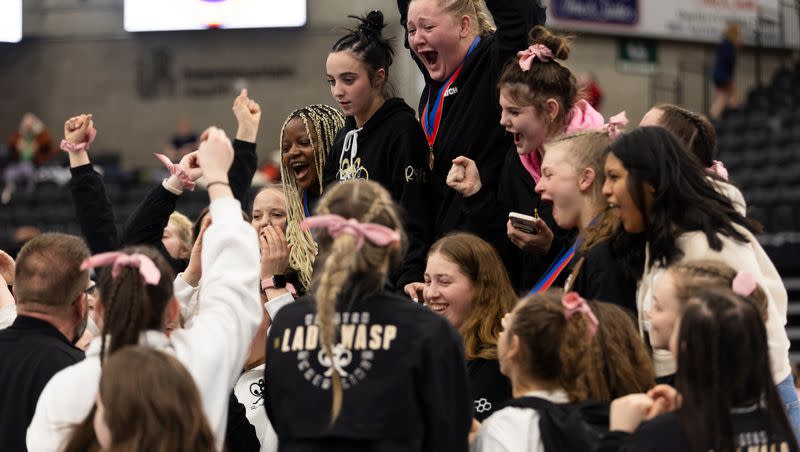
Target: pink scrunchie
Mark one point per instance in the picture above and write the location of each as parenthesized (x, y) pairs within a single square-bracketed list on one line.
[(526, 57), (177, 171), (574, 304), (615, 125), (719, 169), (744, 284), (118, 260), (336, 225), (70, 147)]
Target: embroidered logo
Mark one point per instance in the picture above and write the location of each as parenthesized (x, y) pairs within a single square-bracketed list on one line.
[(482, 405), (359, 341), (451, 91), (351, 170)]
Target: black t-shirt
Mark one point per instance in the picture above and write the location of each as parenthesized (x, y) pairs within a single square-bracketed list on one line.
[(402, 370), (664, 433), (489, 387)]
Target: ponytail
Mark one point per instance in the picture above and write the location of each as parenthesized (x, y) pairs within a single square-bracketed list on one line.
[(130, 306), (554, 347)]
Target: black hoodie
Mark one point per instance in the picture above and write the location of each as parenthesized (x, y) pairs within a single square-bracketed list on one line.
[(391, 150), (403, 373), (470, 124)]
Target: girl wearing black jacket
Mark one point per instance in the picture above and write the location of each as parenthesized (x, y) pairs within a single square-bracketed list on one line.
[(572, 180), (461, 53), (381, 139), (353, 367)]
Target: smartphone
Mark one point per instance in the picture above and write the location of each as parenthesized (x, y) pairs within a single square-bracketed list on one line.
[(524, 223)]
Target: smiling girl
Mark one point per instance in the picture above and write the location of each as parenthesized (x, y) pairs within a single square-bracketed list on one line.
[(466, 283), (461, 46), (381, 139), (658, 190), (306, 139)]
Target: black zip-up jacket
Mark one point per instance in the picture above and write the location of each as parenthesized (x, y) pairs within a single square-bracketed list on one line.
[(486, 214), (392, 151), (402, 369), (470, 124)]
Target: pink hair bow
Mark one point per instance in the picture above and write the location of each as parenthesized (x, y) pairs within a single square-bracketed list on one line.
[(70, 147), (615, 125), (719, 169), (526, 57), (118, 260), (574, 304), (177, 171), (336, 225), (744, 284)]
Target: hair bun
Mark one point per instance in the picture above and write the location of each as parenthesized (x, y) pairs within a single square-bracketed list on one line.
[(557, 44), (373, 22)]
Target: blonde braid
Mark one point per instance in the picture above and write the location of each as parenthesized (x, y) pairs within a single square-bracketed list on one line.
[(345, 265), (326, 122)]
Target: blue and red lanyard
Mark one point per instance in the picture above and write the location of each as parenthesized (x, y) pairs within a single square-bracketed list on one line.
[(431, 120), (555, 269)]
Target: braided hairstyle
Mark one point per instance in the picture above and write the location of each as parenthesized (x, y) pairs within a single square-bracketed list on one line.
[(345, 270), (322, 123), (693, 130), (130, 306), (367, 43), (690, 276)]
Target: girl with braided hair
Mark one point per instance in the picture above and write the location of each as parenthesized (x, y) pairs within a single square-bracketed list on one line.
[(699, 137), (306, 139), (353, 366), (381, 139)]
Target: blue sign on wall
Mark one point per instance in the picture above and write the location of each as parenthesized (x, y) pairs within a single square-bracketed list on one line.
[(614, 12)]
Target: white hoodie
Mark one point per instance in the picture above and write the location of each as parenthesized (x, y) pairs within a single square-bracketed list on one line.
[(213, 350)]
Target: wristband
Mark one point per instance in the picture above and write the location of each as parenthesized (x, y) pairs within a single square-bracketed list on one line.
[(71, 147), (210, 184), (278, 282), (177, 170)]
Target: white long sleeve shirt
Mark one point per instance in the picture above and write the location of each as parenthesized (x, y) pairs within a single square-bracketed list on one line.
[(213, 350)]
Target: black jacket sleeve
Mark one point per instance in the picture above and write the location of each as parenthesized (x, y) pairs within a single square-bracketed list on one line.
[(240, 176), (514, 20), (146, 224), (443, 389), (240, 435), (93, 209), (410, 184)]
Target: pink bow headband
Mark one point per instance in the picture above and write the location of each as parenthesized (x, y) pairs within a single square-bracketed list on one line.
[(118, 260), (719, 169), (336, 225), (574, 304), (744, 284), (177, 171), (69, 147), (615, 125), (526, 57)]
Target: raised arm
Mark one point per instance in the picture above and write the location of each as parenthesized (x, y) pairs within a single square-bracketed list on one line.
[(514, 20), (245, 160), (215, 347), (92, 206)]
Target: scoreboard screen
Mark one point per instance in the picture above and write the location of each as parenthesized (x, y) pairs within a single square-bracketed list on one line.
[(162, 15)]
